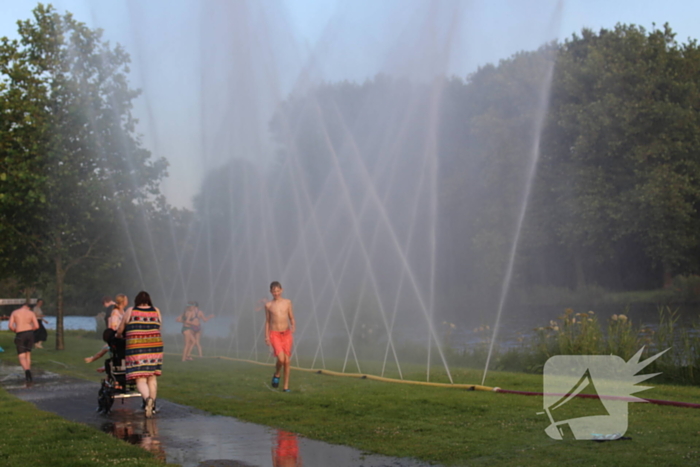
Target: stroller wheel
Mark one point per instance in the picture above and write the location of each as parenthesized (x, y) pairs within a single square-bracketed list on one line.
[(104, 399)]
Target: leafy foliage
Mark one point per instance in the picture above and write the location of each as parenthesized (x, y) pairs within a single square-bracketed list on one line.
[(72, 162), (620, 166)]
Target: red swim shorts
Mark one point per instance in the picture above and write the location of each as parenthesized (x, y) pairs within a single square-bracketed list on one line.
[(281, 342), (287, 446)]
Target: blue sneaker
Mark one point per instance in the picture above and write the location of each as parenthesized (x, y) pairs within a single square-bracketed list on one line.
[(275, 381)]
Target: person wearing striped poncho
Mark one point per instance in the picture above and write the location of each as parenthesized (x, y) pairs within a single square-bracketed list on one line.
[(144, 348)]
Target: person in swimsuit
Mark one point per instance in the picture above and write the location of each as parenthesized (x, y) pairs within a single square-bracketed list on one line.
[(23, 322), (112, 322), (40, 334), (279, 327), (197, 326), (144, 348), (188, 319)]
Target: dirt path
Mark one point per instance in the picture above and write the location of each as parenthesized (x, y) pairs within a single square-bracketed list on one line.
[(187, 436)]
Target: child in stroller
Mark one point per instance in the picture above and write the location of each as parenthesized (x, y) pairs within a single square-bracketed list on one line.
[(114, 385)]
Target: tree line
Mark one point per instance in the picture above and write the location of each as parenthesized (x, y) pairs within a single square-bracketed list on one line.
[(614, 201), (615, 195)]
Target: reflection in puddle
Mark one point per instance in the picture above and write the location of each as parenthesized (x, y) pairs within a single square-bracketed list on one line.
[(286, 450), (194, 439), (142, 433)]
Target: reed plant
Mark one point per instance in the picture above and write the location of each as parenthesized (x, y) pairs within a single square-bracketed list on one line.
[(622, 339), (571, 334), (581, 334), (681, 361)]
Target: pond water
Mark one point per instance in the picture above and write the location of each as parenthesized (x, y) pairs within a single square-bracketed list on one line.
[(73, 323), (515, 327), (89, 323)]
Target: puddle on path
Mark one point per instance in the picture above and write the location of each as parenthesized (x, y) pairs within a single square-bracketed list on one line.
[(183, 435)]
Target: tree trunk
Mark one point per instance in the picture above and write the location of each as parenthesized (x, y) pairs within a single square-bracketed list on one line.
[(578, 270), (667, 275), (60, 276)]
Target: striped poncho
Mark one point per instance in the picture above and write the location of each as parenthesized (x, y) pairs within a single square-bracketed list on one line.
[(144, 344)]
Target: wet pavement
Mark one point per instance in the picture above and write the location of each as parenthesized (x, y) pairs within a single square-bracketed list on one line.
[(183, 435)]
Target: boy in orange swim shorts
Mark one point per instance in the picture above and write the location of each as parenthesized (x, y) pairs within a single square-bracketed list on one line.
[(281, 342), (279, 327)]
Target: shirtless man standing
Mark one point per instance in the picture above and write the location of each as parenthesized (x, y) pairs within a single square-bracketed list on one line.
[(23, 322), (279, 327)]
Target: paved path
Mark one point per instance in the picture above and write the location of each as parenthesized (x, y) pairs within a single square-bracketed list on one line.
[(183, 435)]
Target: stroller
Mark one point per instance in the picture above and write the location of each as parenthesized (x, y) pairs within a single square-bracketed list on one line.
[(115, 385)]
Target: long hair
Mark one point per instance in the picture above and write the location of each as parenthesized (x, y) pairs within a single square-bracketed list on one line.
[(121, 300), (143, 299)]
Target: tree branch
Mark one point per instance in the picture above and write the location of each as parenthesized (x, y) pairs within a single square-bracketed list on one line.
[(28, 238), (87, 255)]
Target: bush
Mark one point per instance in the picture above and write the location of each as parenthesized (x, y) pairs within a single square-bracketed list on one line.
[(686, 288), (581, 334)]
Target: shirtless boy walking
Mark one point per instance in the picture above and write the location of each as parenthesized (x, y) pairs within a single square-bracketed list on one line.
[(23, 322), (279, 327)]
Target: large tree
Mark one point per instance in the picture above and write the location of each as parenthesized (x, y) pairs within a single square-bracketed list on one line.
[(621, 160), (72, 163)]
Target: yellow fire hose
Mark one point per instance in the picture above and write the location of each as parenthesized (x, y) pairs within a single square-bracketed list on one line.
[(469, 387)]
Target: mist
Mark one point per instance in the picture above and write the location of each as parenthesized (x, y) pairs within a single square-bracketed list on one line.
[(413, 173), (328, 168)]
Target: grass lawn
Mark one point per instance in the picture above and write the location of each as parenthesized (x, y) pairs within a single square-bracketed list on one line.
[(444, 425), (31, 437)]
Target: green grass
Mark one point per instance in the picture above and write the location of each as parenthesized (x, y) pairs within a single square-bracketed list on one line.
[(32, 437), (448, 426)]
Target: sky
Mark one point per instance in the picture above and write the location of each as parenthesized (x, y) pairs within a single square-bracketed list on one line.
[(211, 72)]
